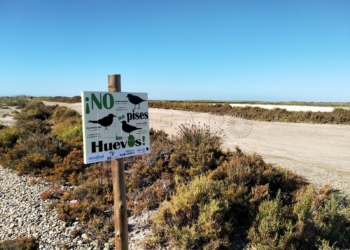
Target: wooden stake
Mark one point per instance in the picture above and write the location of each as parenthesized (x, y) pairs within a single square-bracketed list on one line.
[(119, 190)]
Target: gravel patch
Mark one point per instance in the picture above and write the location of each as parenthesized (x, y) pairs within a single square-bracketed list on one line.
[(23, 213)]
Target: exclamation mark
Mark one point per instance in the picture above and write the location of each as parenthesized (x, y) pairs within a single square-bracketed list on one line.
[(87, 108), (143, 140)]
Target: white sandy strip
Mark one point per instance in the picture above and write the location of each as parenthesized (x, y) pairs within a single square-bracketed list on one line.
[(287, 107)]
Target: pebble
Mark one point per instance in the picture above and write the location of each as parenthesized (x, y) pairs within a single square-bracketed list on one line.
[(23, 213)]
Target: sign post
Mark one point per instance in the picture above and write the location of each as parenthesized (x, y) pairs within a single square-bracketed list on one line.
[(115, 125), (119, 190)]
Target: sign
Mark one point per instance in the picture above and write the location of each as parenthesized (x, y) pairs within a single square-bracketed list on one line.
[(115, 125)]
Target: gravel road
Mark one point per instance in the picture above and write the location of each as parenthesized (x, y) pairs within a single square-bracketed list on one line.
[(318, 152)]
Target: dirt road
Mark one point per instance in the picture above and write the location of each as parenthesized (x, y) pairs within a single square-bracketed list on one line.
[(318, 152)]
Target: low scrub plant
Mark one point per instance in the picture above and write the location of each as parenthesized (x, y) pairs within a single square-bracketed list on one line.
[(91, 201), (35, 110), (338, 116), (19, 101), (65, 99), (205, 197), (62, 112), (23, 243), (69, 128), (152, 178), (196, 150), (9, 136), (195, 218), (263, 206)]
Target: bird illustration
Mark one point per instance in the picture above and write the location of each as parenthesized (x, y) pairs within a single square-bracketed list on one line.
[(127, 128), (105, 121), (135, 100)]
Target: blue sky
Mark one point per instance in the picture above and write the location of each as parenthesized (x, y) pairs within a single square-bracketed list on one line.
[(178, 50)]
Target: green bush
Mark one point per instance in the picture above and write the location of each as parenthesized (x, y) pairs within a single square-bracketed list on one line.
[(69, 130), (273, 228), (62, 112), (196, 150), (325, 216), (37, 144), (195, 218), (318, 220), (152, 178), (9, 136), (276, 208), (206, 212), (35, 110)]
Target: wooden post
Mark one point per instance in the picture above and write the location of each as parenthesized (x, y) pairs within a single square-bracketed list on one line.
[(119, 190)]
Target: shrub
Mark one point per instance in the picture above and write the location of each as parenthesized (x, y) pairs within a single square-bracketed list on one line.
[(69, 169), (227, 198), (54, 193), (74, 99), (338, 116), (196, 150), (46, 195), (69, 129), (195, 218), (32, 153), (9, 136), (325, 216), (35, 110), (208, 198), (62, 112), (33, 126), (94, 199), (16, 101), (151, 178), (273, 228), (25, 243)]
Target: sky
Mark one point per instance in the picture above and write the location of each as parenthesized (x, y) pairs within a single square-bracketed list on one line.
[(178, 50)]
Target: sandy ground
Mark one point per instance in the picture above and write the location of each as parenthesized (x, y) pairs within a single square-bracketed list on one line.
[(318, 152), (6, 116)]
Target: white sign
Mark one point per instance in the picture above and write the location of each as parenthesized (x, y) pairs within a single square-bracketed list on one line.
[(115, 125)]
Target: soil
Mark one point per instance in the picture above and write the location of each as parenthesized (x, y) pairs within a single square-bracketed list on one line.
[(318, 152), (6, 116)]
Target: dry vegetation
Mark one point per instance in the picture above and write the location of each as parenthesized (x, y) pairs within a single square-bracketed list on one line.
[(206, 198), (338, 116), (23, 243)]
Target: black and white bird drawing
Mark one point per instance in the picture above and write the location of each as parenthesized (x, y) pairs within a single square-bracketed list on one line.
[(127, 128), (105, 121), (134, 99)]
